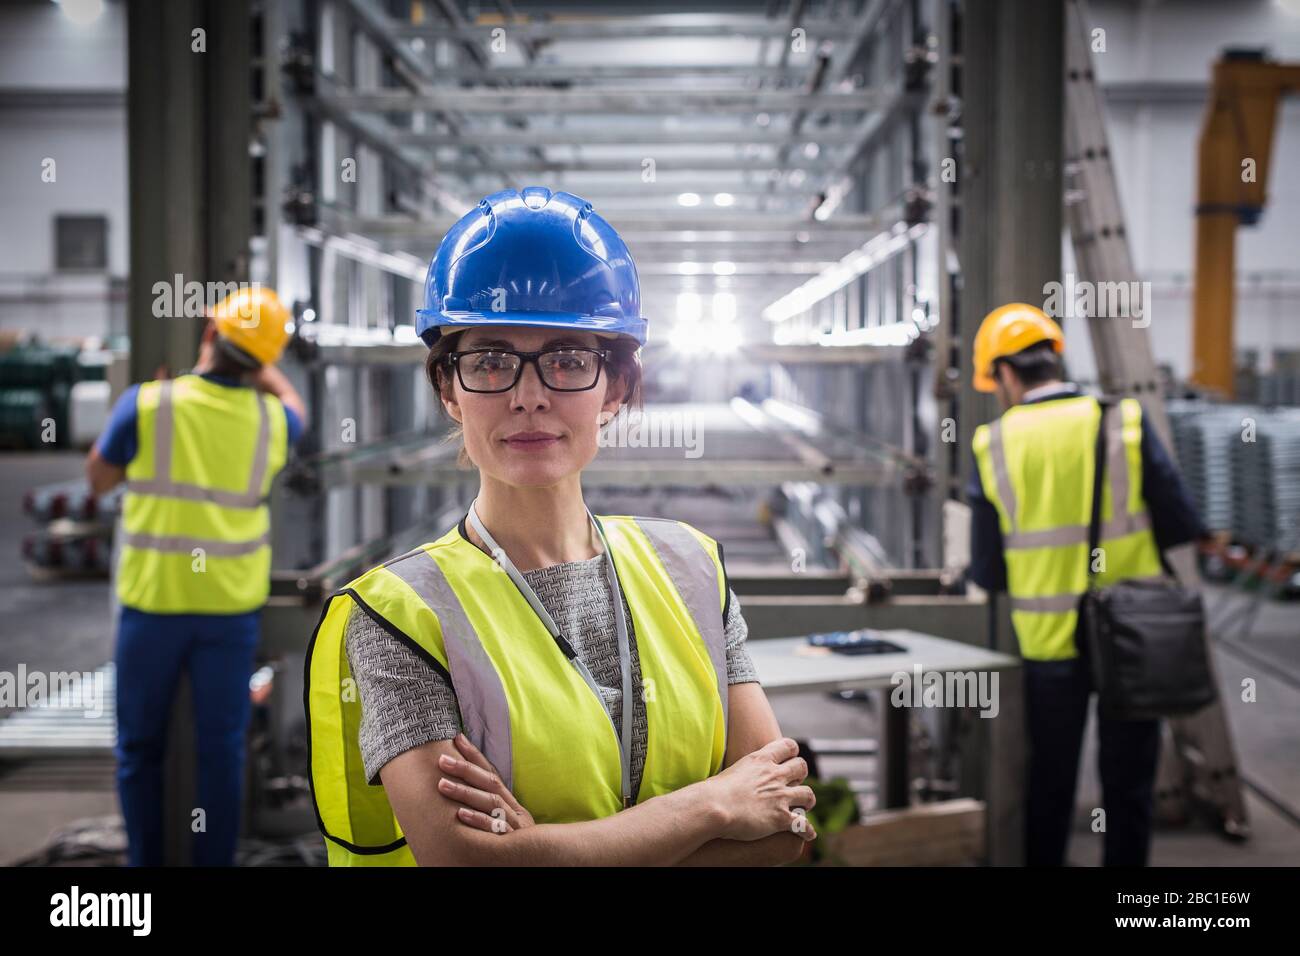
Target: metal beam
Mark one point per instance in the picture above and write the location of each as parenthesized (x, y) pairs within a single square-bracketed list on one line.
[(671, 101), (682, 472), (764, 267), (628, 28), (607, 72), (379, 27), (855, 355), (606, 135), (664, 165), (669, 221), (22, 98), (360, 249)]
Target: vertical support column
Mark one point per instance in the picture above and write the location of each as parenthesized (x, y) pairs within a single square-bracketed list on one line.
[(1010, 176), (188, 126), (946, 457), (1013, 106), (167, 164)]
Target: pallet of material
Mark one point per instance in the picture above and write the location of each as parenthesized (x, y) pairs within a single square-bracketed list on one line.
[(947, 833)]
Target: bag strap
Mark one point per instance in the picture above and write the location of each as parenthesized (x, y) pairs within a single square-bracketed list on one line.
[(1099, 477)]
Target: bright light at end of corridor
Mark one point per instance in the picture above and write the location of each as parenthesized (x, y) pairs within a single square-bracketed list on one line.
[(81, 11)]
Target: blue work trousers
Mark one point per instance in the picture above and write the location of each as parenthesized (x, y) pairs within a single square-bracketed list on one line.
[(153, 650)]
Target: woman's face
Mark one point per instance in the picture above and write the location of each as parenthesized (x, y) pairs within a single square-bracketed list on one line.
[(495, 423)]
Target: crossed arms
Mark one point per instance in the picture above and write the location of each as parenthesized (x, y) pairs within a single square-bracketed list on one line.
[(444, 794)]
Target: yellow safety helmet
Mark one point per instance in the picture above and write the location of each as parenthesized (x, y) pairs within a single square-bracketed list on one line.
[(255, 321), (1006, 331)]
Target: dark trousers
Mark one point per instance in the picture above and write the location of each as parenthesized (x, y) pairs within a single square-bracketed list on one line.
[(1056, 706), (218, 651)]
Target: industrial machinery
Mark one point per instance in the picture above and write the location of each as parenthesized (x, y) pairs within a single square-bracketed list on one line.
[(1232, 187)]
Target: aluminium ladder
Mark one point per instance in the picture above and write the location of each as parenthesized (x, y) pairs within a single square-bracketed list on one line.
[(1197, 758)]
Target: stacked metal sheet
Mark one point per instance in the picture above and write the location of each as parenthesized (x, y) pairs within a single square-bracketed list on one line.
[(1281, 386), (1266, 481), (1207, 438)]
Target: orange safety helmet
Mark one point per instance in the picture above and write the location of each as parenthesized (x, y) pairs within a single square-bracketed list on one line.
[(254, 321), (1006, 331)]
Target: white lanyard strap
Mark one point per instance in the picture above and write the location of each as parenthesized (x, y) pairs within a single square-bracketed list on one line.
[(624, 653)]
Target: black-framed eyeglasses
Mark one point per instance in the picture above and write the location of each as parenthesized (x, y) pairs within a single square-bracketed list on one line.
[(561, 368)]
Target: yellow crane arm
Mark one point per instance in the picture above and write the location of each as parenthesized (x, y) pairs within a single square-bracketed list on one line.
[(1235, 145)]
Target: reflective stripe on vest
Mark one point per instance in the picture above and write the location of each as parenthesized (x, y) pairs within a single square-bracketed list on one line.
[(162, 483), (1038, 473), (195, 528), (521, 700)]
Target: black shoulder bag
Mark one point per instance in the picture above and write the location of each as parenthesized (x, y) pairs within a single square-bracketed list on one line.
[(1145, 639)]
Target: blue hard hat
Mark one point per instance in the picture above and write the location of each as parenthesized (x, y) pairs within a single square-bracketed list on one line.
[(532, 257)]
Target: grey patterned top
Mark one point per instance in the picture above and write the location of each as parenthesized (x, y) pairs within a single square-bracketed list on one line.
[(405, 702)]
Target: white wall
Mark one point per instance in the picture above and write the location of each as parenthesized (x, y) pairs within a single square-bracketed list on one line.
[(41, 51), (1154, 146)]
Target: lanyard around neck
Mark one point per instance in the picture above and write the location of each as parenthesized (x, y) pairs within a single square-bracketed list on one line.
[(624, 654)]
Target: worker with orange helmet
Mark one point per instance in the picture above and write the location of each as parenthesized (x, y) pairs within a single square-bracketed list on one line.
[(1031, 501), (198, 453)]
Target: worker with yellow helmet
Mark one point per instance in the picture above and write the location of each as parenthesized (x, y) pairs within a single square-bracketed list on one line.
[(198, 453), (1031, 500)]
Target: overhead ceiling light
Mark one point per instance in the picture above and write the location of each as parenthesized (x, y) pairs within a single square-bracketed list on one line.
[(81, 11), (724, 268), (723, 199), (689, 199), (688, 268)]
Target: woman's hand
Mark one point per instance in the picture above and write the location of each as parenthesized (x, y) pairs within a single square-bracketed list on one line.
[(488, 803), (763, 795)]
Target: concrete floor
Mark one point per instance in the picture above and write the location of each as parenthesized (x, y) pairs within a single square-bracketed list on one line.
[(67, 625)]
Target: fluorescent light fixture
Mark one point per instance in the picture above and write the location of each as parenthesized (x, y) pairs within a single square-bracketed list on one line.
[(896, 334), (872, 252), (834, 196), (724, 268), (689, 199), (723, 199)]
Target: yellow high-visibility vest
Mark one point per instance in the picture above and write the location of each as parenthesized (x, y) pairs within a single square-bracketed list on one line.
[(195, 521), (523, 701), (1037, 465)]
